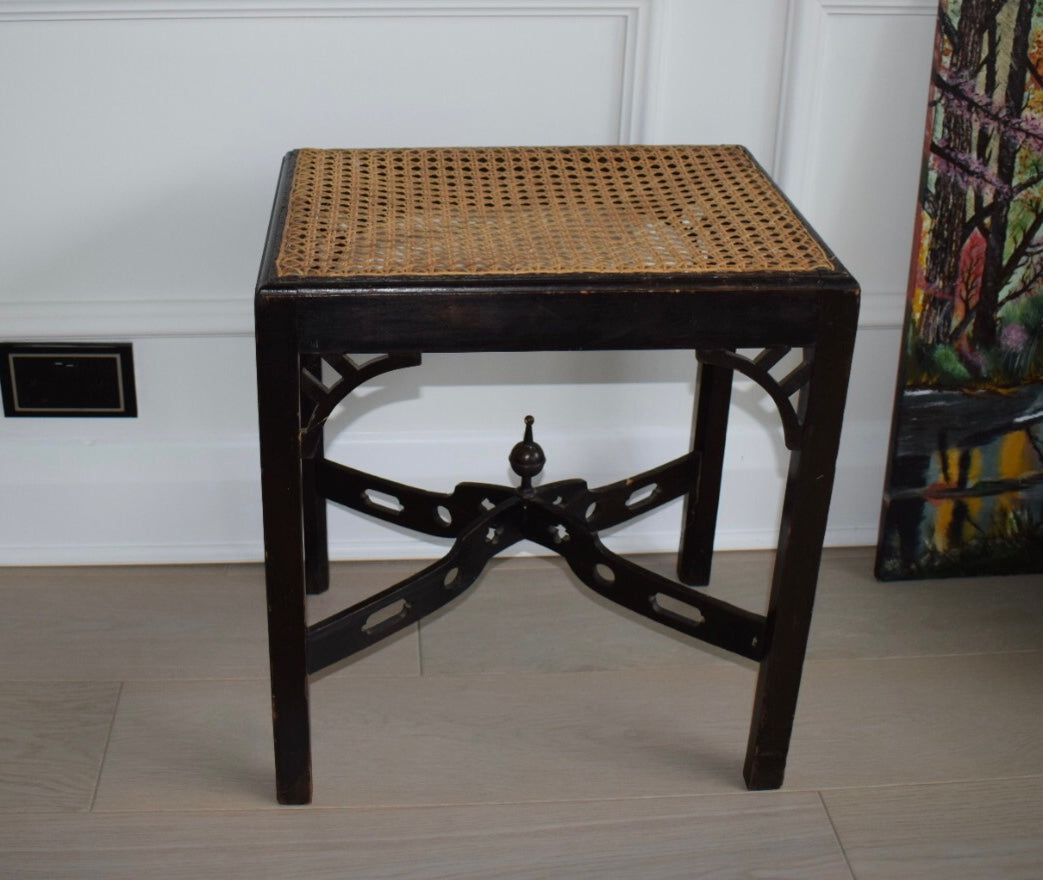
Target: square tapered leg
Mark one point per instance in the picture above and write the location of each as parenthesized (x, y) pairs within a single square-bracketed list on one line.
[(805, 508), (316, 544), (699, 523), (279, 407)]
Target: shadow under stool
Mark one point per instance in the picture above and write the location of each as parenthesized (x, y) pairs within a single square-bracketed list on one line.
[(405, 251)]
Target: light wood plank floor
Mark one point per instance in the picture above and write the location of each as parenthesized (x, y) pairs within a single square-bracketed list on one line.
[(531, 730)]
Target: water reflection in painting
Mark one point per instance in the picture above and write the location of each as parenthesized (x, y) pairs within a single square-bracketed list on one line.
[(964, 491)]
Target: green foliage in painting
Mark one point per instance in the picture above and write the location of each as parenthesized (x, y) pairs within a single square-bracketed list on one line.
[(981, 229), (965, 481)]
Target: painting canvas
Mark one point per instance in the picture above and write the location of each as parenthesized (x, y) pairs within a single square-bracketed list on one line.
[(964, 490)]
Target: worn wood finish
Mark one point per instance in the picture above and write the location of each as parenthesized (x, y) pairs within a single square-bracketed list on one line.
[(809, 487), (700, 509), (301, 320), (563, 317), (279, 408), (316, 540)]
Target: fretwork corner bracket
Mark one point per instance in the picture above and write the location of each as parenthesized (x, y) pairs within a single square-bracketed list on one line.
[(781, 390), (320, 399)]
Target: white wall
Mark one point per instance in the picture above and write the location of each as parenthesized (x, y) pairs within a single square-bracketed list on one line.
[(139, 143)]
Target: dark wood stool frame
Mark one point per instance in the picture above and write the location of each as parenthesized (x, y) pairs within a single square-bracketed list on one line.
[(302, 323)]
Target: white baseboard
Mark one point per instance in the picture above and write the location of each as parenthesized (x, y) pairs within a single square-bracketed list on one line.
[(171, 502), (355, 550)]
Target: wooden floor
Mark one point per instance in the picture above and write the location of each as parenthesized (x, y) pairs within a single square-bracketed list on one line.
[(529, 731)]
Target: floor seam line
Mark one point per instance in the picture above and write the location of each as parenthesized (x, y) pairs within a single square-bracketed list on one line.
[(836, 835), (105, 750), (419, 648)]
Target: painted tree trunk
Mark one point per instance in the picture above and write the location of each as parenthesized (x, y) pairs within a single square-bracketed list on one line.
[(964, 492)]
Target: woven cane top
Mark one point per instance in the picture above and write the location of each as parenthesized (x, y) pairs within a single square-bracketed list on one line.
[(537, 211)]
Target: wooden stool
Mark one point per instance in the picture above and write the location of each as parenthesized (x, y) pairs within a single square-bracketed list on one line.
[(540, 249)]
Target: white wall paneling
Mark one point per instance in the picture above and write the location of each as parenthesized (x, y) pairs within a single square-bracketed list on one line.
[(851, 132), (848, 152), (719, 70), (141, 143), (145, 136)]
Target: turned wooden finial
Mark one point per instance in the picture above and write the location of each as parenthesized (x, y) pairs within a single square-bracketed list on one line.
[(527, 458)]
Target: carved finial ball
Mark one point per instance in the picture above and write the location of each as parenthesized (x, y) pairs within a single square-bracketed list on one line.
[(527, 458)]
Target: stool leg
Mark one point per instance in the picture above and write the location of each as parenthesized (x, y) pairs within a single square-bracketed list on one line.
[(278, 382), (699, 520), (316, 543), (809, 486)]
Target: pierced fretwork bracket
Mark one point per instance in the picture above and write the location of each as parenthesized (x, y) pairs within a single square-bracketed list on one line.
[(384, 614), (449, 514), (486, 519), (687, 610), (325, 398), (551, 524), (780, 390), (445, 515)]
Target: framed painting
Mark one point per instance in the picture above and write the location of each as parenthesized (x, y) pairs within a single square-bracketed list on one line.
[(964, 485)]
